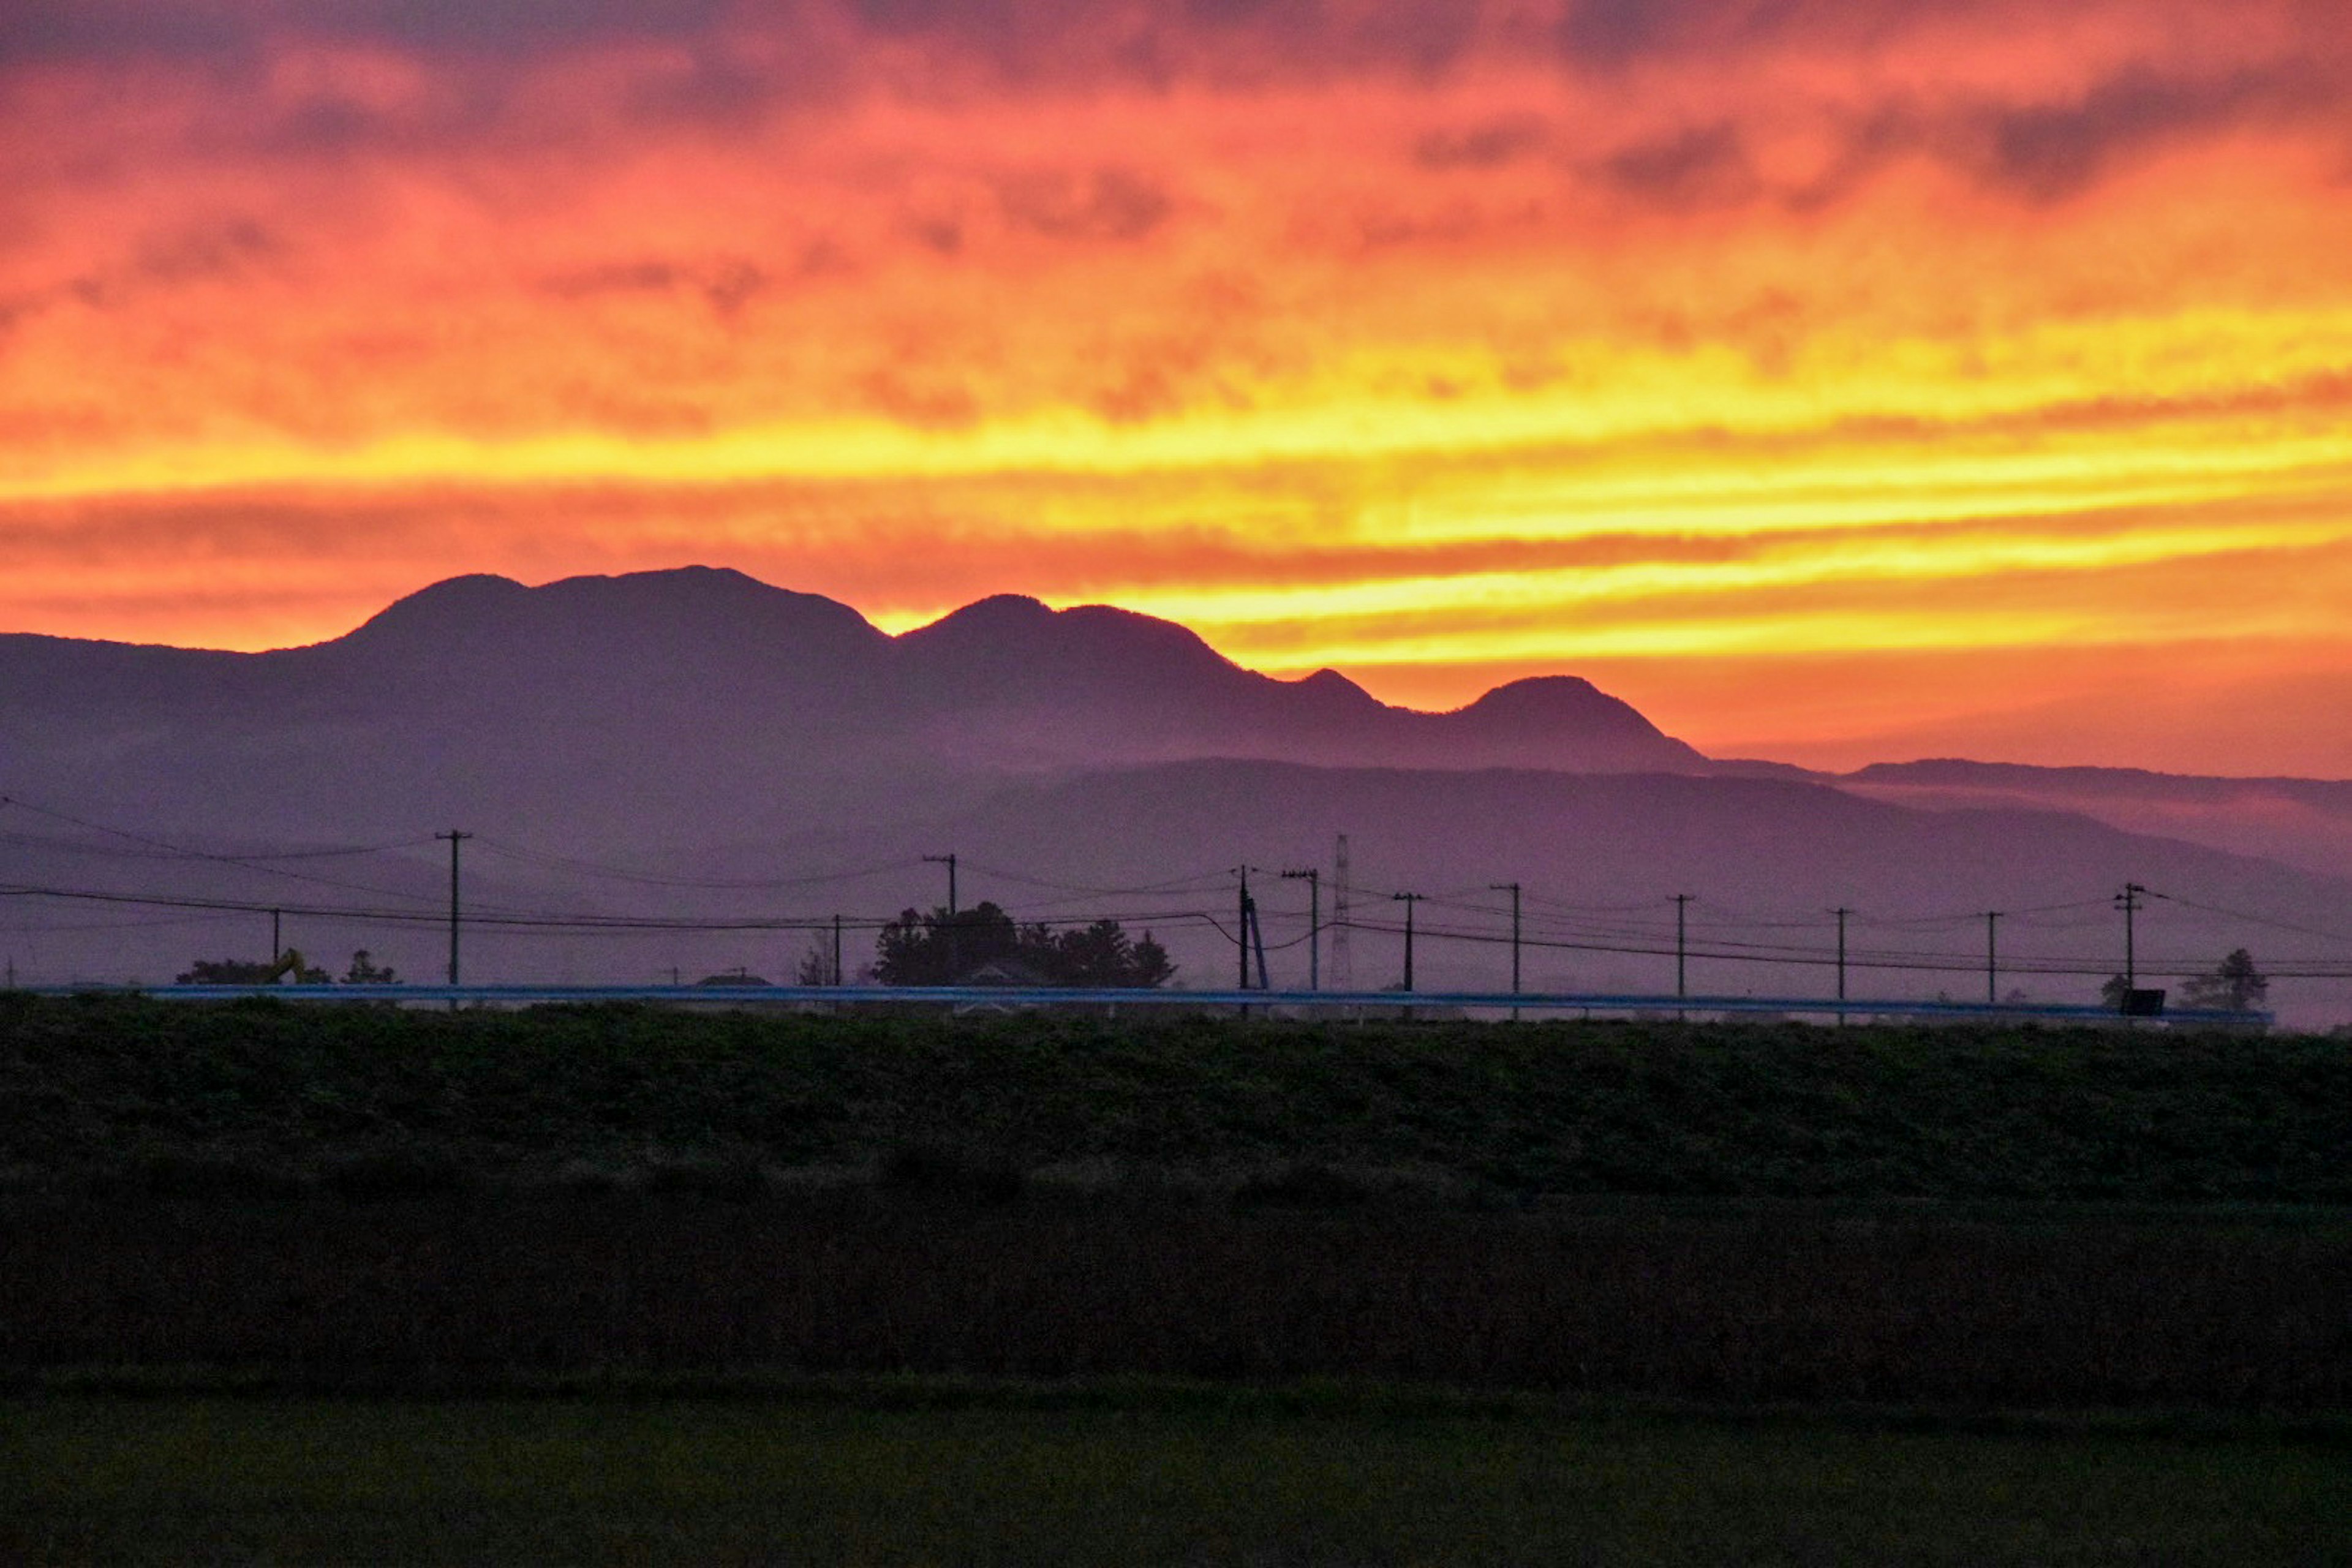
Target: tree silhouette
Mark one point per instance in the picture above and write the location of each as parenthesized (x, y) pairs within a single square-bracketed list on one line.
[(235, 971), (1102, 954), (366, 971), (940, 948), (2234, 984)]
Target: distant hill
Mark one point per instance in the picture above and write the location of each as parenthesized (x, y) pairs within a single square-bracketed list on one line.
[(1599, 841), (1600, 856), (2303, 822)]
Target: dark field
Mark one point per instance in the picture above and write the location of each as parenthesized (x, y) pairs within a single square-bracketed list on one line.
[(1771, 1304), (1140, 1480), (609, 1285), (390, 1201)]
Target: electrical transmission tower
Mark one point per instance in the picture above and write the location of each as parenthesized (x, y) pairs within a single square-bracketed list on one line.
[(1343, 973)]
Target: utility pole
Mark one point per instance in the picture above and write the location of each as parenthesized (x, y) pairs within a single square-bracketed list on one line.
[(1258, 944), (1408, 901), (1840, 912), (1992, 956), (1243, 913), (2128, 901), (1512, 889), (1343, 971), (455, 838), (1313, 877), (836, 949), (949, 860), (1682, 989), (277, 942), (955, 941)]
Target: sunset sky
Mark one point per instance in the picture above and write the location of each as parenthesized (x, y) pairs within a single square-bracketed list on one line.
[(1836, 380)]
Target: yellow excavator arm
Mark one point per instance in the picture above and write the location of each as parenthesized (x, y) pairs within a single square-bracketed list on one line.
[(289, 963)]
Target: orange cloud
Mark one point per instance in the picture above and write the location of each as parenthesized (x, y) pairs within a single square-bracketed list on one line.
[(1697, 335)]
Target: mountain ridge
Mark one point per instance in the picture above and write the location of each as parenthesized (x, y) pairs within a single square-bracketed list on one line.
[(704, 697), (1008, 660)]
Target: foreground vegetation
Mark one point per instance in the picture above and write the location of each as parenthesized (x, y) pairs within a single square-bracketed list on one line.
[(178, 1097), (1127, 1481), (1141, 1478), (387, 1202)]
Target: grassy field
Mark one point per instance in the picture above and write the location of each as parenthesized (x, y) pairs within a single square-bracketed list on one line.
[(255, 1097), (1235, 1479)]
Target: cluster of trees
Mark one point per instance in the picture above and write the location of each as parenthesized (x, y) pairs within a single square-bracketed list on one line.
[(943, 948), (2234, 982), (364, 971)]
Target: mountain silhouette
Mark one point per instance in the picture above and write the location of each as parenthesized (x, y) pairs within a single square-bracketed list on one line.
[(702, 705)]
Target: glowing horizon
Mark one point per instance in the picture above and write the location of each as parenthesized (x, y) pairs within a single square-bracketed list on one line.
[(1780, 369)]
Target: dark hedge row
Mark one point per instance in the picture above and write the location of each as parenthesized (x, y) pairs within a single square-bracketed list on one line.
[(270, 1094)]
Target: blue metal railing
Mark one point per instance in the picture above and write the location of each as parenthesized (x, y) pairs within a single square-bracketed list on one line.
[(1014, 997)]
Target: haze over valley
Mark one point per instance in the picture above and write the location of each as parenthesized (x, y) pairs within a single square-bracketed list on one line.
[(695, 746)]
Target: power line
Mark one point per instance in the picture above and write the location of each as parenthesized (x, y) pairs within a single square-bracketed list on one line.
[(558, 924), (1891, 959), (166, 849), (245, 862), (545, 922), (43, 928), (2258, 920), (83, 848), (1715, 933), (1202, 879), (746, 884)]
